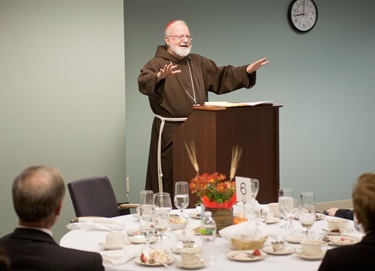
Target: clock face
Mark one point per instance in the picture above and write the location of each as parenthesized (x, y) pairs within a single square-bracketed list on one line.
[(303, 15)]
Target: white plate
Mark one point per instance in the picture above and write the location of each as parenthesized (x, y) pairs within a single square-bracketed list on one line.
[(133, 232), (341, 240), (170, 260), (294, 239), (103, 245), (285, 251), (176, 249), (244, 255), (201, 264), (311, 258), (272, 220), (348, 230), (195, 215), (140, 239)]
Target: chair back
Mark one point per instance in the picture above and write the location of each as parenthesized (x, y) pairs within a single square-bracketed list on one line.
[(93, 196)]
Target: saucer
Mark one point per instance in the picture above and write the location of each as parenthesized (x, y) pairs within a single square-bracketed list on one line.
[(294, 239), (272, 220), (133, 232), (341, 240), (103, 245), (307, 257), (176, 249), (140, 239), (170, 260), (202, 263), (285, 251), (245, 255)]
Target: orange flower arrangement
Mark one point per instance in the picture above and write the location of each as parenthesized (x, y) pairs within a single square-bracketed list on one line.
[(214, 190)]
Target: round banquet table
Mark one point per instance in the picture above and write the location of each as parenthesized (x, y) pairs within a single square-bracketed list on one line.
[(89, 241)]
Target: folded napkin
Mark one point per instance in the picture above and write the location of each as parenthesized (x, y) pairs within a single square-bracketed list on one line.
[(121, 256), (245, 231), (96, 223)]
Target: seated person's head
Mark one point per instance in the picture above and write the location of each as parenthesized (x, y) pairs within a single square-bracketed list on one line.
[(364, 201), (37, 195)]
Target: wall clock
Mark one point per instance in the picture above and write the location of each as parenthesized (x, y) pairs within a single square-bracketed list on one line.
[(302, 15)]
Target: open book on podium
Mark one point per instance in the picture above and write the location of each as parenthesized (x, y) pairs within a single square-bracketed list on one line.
[(238, 104)]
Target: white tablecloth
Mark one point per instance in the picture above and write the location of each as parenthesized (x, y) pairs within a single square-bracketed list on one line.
[(89, 240)]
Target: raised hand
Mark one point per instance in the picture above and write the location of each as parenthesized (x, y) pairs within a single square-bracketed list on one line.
[(168, 70), (256, 65)]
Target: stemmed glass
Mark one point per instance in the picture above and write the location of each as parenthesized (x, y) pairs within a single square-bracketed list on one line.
[(147, 197), (163, 206), (307, 214), (286, 203), (181, 196), (254, 192), (146, 226)]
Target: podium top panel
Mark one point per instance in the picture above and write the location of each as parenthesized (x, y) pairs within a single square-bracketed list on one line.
[(216, 106)]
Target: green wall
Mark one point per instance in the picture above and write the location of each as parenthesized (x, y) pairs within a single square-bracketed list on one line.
[(323, 78)]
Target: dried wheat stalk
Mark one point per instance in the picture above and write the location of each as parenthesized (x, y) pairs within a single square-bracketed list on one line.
[(236, 156), (190, 148)]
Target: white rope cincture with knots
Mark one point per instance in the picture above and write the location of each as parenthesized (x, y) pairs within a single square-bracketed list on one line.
[(160, 171)]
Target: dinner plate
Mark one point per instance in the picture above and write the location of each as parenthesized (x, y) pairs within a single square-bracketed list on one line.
[(202, 263), (285, 251), (310, 258), (140, 239), (294, 239), (341, 240), (272, 220), (170, 260), (245, 255)]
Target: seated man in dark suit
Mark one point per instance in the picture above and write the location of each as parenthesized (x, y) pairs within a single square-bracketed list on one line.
[(37, 198), (360, 256)]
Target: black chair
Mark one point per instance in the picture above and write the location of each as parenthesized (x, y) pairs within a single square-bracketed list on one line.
[(94, 196)]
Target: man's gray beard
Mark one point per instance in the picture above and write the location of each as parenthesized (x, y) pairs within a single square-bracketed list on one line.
[(182, 52)]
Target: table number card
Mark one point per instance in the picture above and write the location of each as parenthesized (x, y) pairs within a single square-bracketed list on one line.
[(243, 189)]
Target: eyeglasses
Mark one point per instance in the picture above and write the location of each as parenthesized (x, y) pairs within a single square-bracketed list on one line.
[(181, 37)]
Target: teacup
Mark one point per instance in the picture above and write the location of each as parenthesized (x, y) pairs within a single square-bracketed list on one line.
[(337, 224), (190, 256), (312, 247), (277, 246), (114, 240), (273, 208)]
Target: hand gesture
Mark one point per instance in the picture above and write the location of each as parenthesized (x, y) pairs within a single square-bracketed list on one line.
[(256, 65), (168, 70)]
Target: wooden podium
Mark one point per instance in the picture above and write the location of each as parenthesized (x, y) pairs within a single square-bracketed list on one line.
[(215, 130)]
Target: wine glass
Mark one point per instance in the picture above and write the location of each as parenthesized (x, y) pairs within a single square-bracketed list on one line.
[(181, 196), (254, 192), (307, 214), (286, 203), (163, 206), (146, 226), (146, 197)]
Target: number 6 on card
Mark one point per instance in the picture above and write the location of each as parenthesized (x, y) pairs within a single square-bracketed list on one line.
[(243, 189)]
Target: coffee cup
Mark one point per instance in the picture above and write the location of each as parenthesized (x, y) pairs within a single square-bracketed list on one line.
[(312, 247), (114, 240), (277, 246), (337, 224), (190, 256), (273, 208)]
